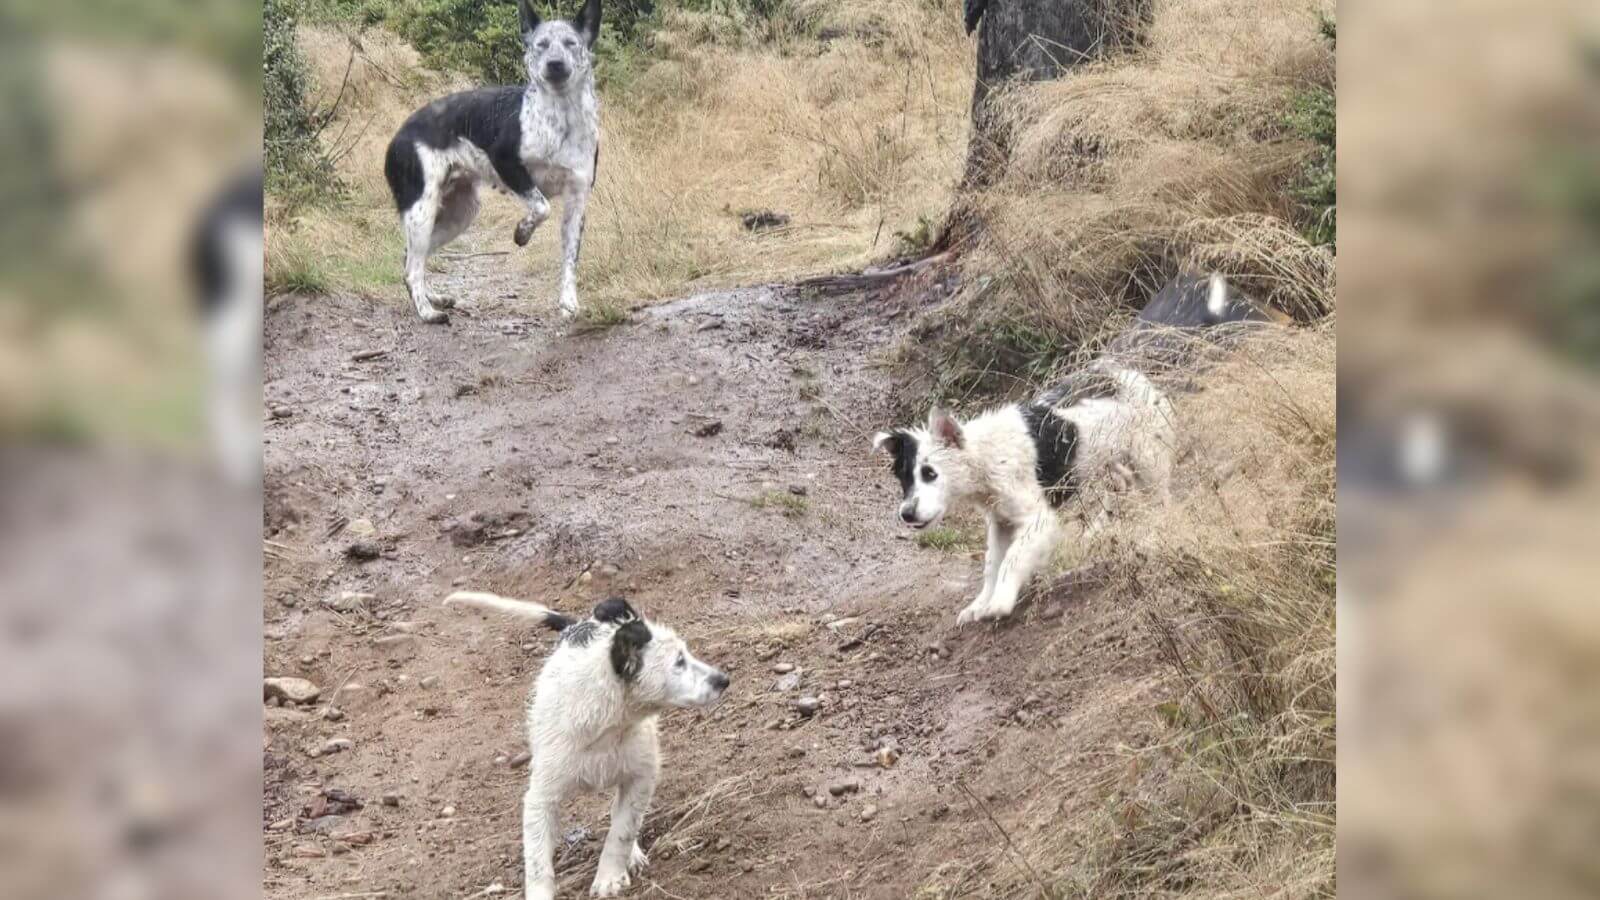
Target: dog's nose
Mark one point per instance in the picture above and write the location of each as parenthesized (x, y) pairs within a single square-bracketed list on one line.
[(719, 681), (908, 514), (557, 71)]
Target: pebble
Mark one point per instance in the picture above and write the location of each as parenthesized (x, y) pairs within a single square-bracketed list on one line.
[(333, 714), (799, 490), (788, 682), (362, 551), (391, 799), (869, 812), (297, 690), (820, 801), (448, 811), (809, 791), (310, 851), (783, 668), (796, 752), (361, 528), (337, 745), (844, 683), (807, 706), (429, 681), (840, 788), (348, 601), (520, 760), (282, 412), (723, 844)]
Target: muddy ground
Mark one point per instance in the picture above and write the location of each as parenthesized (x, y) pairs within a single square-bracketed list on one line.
[(710, 459)]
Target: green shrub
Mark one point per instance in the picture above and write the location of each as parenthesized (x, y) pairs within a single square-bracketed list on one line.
[(1314, 116), (298, 169)]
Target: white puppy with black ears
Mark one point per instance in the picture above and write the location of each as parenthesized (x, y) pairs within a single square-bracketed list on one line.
[(592, 726), (1022, 462)]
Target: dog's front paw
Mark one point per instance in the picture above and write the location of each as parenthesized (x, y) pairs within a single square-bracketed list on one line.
[(610, 885), (434, 317), (524, 232), (974, 611), (444, 302), (637, 859)]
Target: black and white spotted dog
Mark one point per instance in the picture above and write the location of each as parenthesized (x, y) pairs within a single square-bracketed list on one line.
[(537, 141), (1021, 463), (225, 263)]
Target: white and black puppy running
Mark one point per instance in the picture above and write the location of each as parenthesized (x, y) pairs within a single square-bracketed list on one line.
[(535, 141), (1022, 462), (592, 726)]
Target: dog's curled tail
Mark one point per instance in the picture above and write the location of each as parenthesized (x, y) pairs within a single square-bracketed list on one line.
[(527, 609)]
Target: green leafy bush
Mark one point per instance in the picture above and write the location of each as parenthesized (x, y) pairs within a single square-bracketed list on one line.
[(1314, 116), (298, 169)]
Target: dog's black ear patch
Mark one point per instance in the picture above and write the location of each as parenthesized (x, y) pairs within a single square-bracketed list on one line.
[(627, 649), (587, 22), (905, 460), (616, 611), (529, 16)]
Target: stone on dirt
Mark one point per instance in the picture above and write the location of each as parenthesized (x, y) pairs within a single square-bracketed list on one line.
[(296, 690), (848, 786)]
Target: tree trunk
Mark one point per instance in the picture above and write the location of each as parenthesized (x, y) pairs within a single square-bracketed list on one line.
[(1032, 40)]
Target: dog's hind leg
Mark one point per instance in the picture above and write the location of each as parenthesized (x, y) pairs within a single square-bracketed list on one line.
[(572, 212), (539, 827), (458, 206), (621, 853)]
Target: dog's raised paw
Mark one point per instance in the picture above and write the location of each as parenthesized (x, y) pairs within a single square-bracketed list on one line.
[(972, 613), (610, 887), (524, 232)]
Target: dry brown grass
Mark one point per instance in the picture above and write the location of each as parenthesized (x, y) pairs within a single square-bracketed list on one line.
[(1226, 788), (1125, 170), (855, 137)]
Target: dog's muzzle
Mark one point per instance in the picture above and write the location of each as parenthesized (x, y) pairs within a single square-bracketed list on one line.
[(557, 72), (908, 515)]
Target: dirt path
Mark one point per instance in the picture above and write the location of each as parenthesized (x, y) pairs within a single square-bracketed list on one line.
[(711, 460)]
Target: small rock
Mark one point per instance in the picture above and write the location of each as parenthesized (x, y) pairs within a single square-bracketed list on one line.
[(807, 706), (788, 682), (820, 801), (709, 429), (869, 812), (520, 759), (692, 381), (887, 757), (796, 752), (282, 412), (448, 811), (348, 601), (783, 668), (763, 219), (723, 844), (613, 440), (310, 851), (799, 490), (939, 649), (844, 683), (429, 681), (335, 745), (391, 799), (333, 714), (848, 786), (296, 690), (361, 528), (363, 551), (809, 791), (356, 838)]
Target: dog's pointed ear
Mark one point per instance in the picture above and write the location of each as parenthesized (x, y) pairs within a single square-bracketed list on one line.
[(627, 649), (944, 427), (888, 442), (615, 611), (529, 16), (588, 22)]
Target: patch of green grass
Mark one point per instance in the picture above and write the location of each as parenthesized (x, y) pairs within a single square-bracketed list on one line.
[(297, 273), (1313, 115), (943, 538), (790, 505), (597, 316)]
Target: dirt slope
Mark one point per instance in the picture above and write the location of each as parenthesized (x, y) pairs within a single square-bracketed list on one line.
[(505, 452)]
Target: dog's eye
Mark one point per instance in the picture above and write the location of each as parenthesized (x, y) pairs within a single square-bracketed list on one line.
[(542, 45), (928, 474), (570, 42)]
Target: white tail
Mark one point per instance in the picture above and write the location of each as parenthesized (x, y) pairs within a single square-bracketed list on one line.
[(524, 608)]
